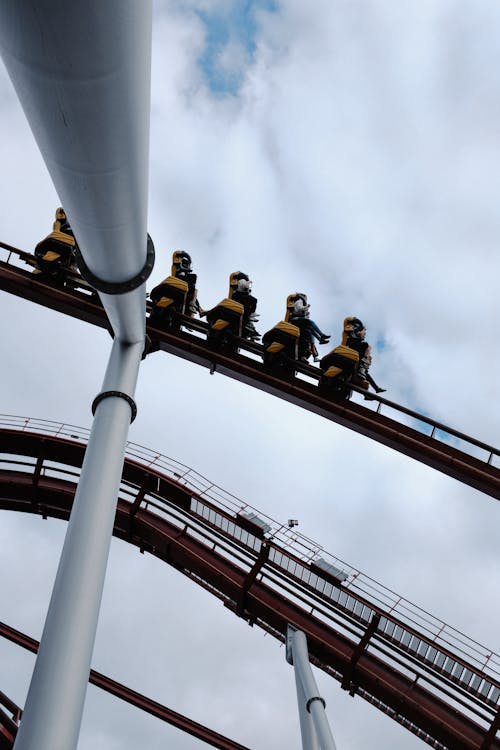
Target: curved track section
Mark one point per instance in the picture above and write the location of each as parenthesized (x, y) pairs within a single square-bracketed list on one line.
[(435, 681), (9, 723), (462, 457), (10, 715)]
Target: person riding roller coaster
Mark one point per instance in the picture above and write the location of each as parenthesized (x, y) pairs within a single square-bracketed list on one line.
[(349, 362), (298, 314), (56, 254), (181, 269), (177, 293), (234, 316), (354, 335), (240, 287)]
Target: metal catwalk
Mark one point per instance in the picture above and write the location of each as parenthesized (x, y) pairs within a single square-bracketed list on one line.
[(438, 683)]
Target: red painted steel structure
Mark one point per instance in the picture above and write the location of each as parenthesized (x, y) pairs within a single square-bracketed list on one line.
[(115, 688), (447, 696), (76, 299), (9, 721)]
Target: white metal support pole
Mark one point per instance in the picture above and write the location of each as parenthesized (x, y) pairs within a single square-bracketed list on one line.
[(82, 74), (54, 706), (307, 731), (310, 702)]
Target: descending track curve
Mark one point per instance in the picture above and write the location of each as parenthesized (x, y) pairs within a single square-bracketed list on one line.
[(435, 681), (462, 457), (9, 724)]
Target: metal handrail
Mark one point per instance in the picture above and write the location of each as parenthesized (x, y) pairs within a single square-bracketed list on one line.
[(303, 548), (439, 429)]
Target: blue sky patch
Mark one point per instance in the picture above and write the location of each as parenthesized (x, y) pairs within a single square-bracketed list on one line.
[(235, 27)]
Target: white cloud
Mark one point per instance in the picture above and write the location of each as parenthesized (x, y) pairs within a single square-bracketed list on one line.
[(360, 163)]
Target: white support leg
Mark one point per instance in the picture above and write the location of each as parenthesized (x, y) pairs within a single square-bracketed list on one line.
[(314, 725), (54, 706)]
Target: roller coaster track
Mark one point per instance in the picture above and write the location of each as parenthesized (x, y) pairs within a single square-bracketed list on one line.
[(10, 715), (438, 683), (9, 724), (451, 452)]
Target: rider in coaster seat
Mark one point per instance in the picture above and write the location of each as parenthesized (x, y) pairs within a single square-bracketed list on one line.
[(240, 287), (339, 368), (56, 253), (177, 294), (297, 313), (354, 337), (225, 320), (281, 344), (181, 269)]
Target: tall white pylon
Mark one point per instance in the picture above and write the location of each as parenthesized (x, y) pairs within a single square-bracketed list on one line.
[(314, 726), (82, 71)]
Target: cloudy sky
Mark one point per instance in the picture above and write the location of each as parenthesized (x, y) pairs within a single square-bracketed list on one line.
[(350, 150)]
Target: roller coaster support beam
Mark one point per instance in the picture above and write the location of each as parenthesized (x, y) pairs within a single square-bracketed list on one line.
[(314, 726), (307, 731), (82, 74), (124, 693), (56, 695)]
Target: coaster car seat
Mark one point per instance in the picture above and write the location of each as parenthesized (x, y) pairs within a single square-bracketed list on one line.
[(225, 322), (281, 345), (338, 368), (169, 301), (342, 365), (240, 286), (55, 254)]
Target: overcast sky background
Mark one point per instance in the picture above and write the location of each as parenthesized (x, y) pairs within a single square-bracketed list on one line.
[(350, 150)]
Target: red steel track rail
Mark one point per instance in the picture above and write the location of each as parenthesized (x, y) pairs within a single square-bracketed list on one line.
[(119, 691), (462, 457), (9, 721), (436, 682)]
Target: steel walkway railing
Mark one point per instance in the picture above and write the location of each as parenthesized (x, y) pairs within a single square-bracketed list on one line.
[(416, 435), (441, 684)]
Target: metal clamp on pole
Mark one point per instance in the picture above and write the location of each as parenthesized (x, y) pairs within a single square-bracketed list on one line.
[(108, 287), (118, 394), (315, 698)]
